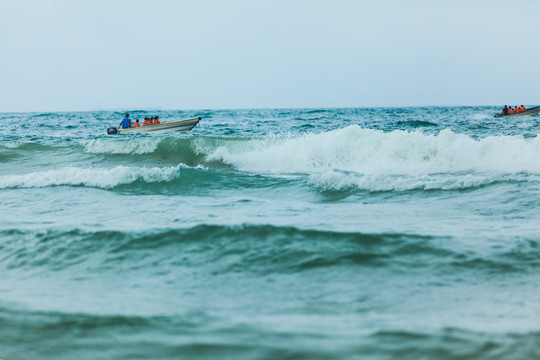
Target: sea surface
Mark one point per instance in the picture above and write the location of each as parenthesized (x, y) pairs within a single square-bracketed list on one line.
[(367, 233)]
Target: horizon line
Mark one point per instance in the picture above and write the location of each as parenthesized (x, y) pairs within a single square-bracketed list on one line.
[(149, 109)]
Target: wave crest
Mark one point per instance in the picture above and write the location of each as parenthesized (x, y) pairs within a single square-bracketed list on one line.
[(95, 177), (370, 151), (354, 157), (351, 158), (225, 249), (122, 146)]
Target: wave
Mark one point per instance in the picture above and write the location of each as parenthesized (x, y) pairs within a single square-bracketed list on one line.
[(234, 248), (376, 152), (416, 123), (482, 116), (202, 335), (453, 343), (28, 146), (354, 157), (141, 145), (10, 144), (6, 156), (334, 180), (172, 149), (257, 249), (354, 149), (94, 177), (350, 159)]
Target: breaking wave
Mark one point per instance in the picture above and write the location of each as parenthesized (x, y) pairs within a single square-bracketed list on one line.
[(333, 180), (351, 158), (122, 146), (376, 152), (94, 177), (354, 157)]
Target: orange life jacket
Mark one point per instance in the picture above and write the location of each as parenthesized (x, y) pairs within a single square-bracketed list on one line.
[(136, 124), (510, 111), (156, 121), (522, 108), (516, 110)]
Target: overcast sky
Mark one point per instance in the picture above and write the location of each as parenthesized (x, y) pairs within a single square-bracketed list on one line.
[(217, 54)]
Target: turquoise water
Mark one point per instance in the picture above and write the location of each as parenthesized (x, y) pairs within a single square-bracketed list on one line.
[(384, 233)]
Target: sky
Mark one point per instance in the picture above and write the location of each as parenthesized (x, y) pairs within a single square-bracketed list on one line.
[(69, 55)]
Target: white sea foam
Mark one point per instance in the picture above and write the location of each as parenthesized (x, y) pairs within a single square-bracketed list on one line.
[(482, 116), (95, 177), (334, 180), (378, 160), (10, 144), (122, 146)]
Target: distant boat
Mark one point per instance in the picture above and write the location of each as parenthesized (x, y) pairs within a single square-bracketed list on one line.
[(178, 125), (529, 112)]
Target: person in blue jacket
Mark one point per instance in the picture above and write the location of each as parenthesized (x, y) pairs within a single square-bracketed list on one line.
[(126, 122)]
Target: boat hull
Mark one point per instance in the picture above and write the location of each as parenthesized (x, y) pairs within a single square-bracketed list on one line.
[(530, 112), (179, 125)]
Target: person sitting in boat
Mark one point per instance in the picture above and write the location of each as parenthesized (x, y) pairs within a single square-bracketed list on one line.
[(136, 123), (510, 111), (145, 122), (516, 110), (156, 120), (505, 110), (522, 108), (126, 122)]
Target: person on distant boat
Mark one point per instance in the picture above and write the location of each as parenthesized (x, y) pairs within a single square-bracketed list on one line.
[(522, 108), (126, 122), (150, 121), (145, 122), (516, 110), (510, 111), (136, 123), (156, 120), (505, 110)]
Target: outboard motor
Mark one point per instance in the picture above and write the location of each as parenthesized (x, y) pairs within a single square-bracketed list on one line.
[(112, 130)]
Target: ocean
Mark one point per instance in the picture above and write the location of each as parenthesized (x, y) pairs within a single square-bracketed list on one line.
[(363, 233)]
